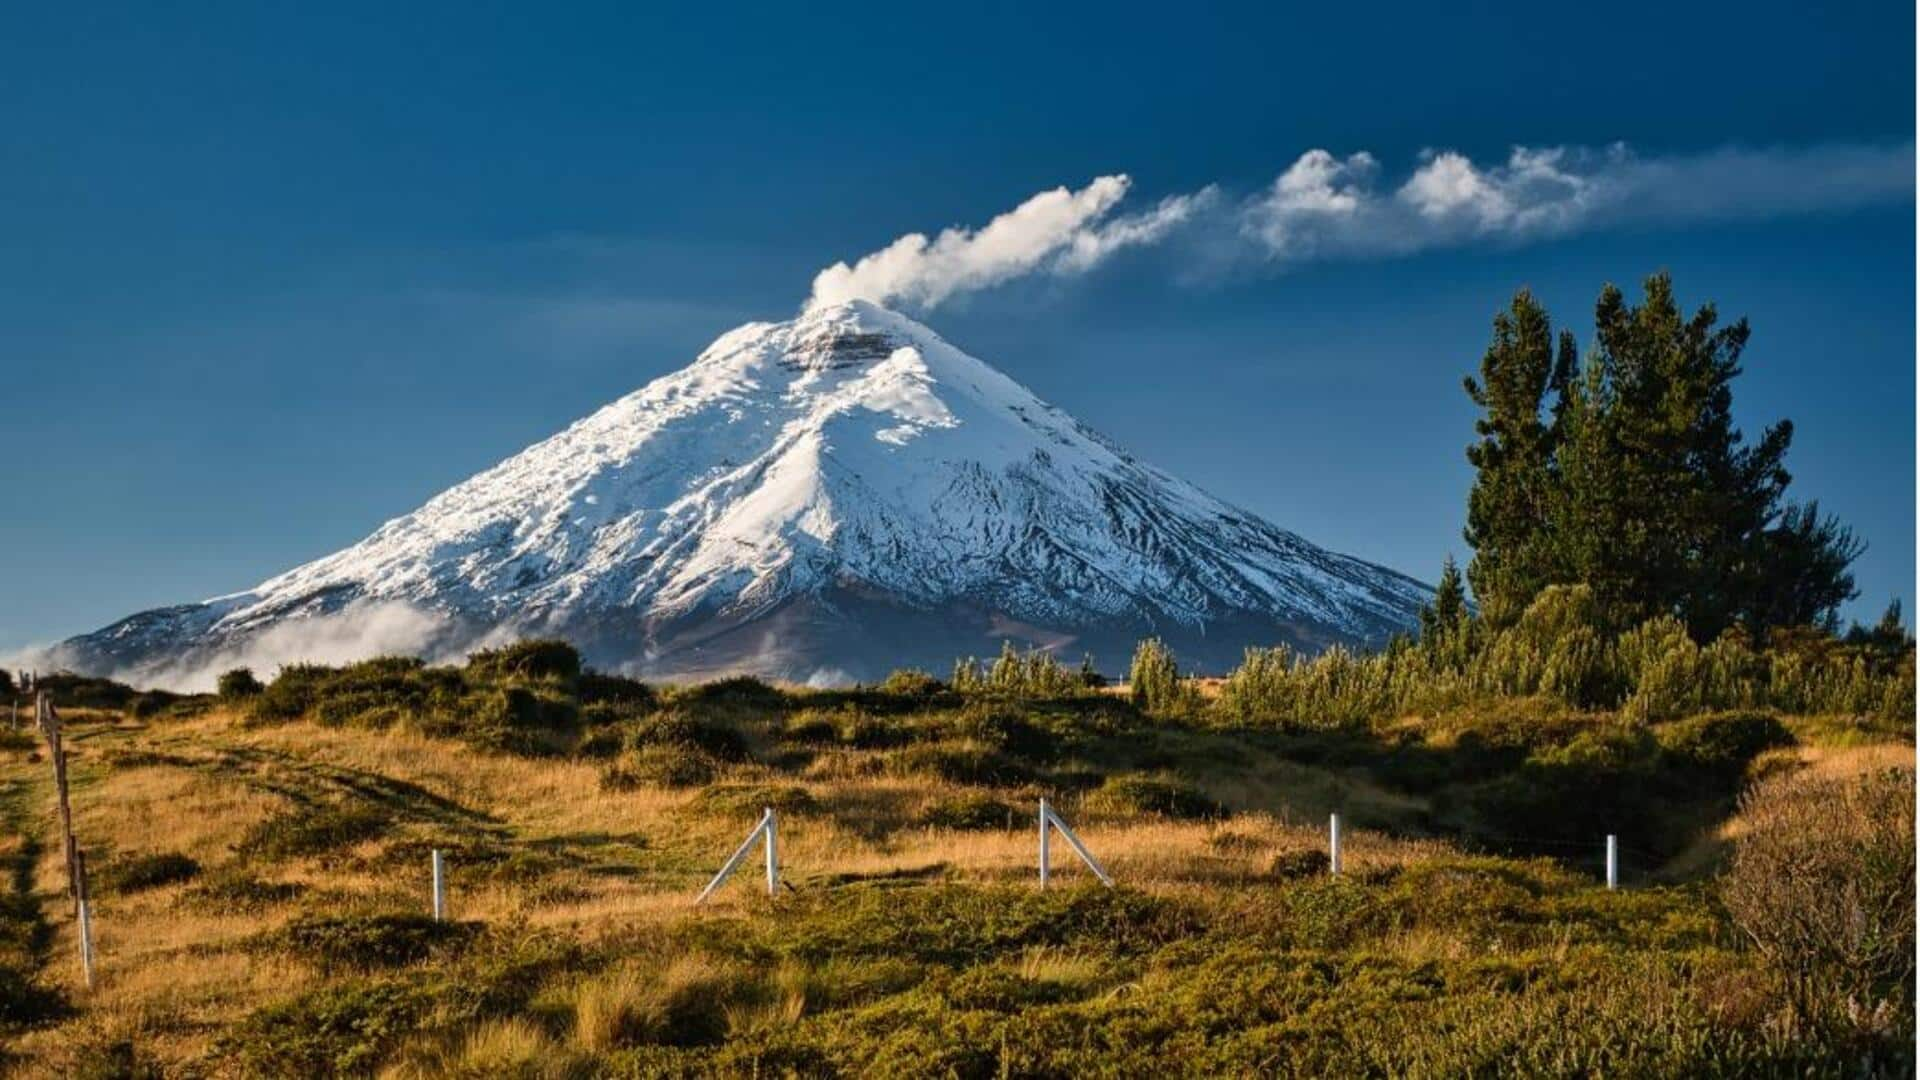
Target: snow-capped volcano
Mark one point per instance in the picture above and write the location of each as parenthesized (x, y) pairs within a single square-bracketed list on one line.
[(843, 492)]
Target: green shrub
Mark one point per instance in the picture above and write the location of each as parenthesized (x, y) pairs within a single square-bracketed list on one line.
[(601, 743), (71, 691), (969, 812), (866, 732), (679, 727), (1135, 793), (1303, 863), (368, 942), (341, 1030), (812, 727), (1007, 731), (673, 765), (961, 763), (238, 683), (312, 831), (1723, 742), (152, 703), (134, 873), (534, 659), (911, 682), (631, 694), (741, 693)]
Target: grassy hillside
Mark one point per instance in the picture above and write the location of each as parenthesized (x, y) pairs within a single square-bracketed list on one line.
[(261, 870)]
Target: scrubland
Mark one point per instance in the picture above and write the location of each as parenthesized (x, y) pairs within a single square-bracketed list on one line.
[(259, 862)]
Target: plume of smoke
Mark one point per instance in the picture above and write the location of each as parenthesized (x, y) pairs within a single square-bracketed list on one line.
[(1058, 231), (1328, 207)]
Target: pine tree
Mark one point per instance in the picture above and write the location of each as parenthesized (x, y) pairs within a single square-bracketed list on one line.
[(1449, 599), (1154, 678), (1637, 483), (1507, 510)]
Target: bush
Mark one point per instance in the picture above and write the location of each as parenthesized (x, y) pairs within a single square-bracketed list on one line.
[(238, 683), (678, 727), (1723, 742), (367, 942), (1154, 679), (911, 682), (151, 703), (811, 727), (596, 688), (535, 659), (1822, 882), (1007, 731), (340, 1030), (969, 812), (315, 831), (150, 871), (674, 765), (1140, 794), (1295, 865), (962, 763)]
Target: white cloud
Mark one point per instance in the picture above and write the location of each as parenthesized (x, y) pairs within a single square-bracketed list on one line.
[(1322, 206)]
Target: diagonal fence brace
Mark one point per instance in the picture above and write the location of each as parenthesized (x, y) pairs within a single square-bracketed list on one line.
[(767, 829), (1050, 819)]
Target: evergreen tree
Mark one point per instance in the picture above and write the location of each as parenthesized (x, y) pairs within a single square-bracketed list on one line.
[(1638, 484), (1507, 510), (1154, 678), (1449, 599)]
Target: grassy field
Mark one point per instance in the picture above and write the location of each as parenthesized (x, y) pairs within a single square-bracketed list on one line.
[(260, 867)]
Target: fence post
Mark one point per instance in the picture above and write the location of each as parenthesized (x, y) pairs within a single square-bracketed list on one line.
[(49, 721), (765, 829), (773, 851), (1045, 856), (83, 924), (439, 886), (1613, 861), (1333, 844)]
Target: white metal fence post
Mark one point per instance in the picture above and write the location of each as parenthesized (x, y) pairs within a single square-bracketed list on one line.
[(1044, 858), (773, 851), (439, 886), (83, 921), (1333, 844), (1613, 861), (762, 830)]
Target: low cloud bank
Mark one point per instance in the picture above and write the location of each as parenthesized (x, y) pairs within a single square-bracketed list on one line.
[(354, 633), (1325, 206)]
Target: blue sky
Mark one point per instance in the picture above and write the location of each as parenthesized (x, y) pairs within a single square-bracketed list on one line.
[(273, 276)]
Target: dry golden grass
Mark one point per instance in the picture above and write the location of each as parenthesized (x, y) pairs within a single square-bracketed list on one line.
[(177, 973)]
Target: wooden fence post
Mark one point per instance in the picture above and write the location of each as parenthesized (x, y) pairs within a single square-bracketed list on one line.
[(56, 749)]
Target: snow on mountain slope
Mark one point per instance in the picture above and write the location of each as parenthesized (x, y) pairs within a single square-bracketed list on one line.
[(843, 491)]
